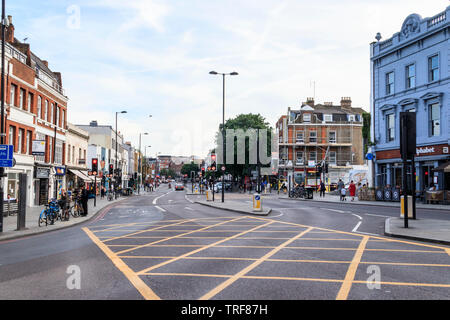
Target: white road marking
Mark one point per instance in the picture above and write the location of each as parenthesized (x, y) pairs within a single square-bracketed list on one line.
[(335, 210), (356, 227), (377, 215), (356, 216), (159, 208), (187, 208), (154, 201), (373, 234), (278, 215)]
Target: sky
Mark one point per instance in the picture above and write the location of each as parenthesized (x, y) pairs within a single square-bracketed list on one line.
[(153, 57)]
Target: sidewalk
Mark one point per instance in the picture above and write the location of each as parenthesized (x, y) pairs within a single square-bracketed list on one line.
[(32, 216), (334, 198), (428, 230), (230, 205)]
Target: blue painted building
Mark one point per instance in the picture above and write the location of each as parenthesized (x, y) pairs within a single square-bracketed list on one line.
[(410, 72)]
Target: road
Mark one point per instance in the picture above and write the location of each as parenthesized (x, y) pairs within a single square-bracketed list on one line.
[(161, 246)]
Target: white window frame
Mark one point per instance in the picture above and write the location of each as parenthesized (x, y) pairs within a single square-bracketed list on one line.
[(29, 137), (314, 137), (302, 158), (335, 137), (13, 94), (302, 140), (307, 117), (408, 82), (390, 129), (46, 111), (430, 70), (331, 157), (328, 117), (313, 158), (431, 123), (20, 140)]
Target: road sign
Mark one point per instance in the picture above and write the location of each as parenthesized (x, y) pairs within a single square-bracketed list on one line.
[(6, 156), (223, 168), (370, 156)]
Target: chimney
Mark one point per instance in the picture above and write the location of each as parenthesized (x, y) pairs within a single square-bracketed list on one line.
[(9, 34), (346, 102), (310, 102), (328, 104), (45, 62), (93, 123)]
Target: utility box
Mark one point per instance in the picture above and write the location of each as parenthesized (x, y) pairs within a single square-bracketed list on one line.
[(410, 207), (257, 202), (208, 195)]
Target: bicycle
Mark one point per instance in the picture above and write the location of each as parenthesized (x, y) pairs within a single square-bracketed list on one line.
[(77, 209), (49, 213)]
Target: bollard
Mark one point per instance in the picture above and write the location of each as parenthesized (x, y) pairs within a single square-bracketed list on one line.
[(257, 202)]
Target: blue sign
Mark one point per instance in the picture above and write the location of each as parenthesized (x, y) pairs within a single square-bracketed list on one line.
[(6, 155), (257, 198), (370, 156)]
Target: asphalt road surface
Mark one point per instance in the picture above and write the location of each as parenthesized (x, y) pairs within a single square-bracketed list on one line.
[(161, 246)]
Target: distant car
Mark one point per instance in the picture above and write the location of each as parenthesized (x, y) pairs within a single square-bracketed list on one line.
[(179, 186)]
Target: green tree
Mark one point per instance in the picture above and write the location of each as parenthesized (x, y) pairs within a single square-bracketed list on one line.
[(366, 131), (244, 122), (188, 167)]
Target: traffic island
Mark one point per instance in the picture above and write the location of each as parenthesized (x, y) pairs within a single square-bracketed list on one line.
[(436, 231), (234, 206)]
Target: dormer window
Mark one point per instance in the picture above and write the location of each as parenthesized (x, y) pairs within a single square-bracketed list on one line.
[(307, 117), (351, 118), (328, 117)]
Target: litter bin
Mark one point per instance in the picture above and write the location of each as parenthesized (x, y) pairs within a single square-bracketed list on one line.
[(257, 203)]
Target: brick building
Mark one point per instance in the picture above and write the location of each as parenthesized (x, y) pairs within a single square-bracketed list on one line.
[(320, 133), (36, 109)]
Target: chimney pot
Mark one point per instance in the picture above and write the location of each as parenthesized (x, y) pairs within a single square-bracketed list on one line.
[(10, 19), (45, 62), (310, 102)]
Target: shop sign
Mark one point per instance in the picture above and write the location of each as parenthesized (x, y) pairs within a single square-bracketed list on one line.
[(42, 173), (424, 150), (38, 148), (60, 171)]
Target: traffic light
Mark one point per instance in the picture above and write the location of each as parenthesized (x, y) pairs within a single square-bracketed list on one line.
[(95, 165), (213, 166), (213, 157), (203, 171), (111, 169)]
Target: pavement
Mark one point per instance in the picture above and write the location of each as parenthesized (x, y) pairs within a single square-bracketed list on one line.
[(32, 215)]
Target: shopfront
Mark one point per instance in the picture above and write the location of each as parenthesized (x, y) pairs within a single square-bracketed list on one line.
[(41, 185), (60, 174)]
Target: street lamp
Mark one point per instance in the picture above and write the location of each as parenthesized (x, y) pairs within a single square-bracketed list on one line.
[(139, 164), (223, 124), (146, 160), (116, 168)]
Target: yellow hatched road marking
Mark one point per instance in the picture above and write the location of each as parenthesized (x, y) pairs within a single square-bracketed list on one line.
[(350, 276), (177, 236), (244, 271), (200, 249), (143, 289)]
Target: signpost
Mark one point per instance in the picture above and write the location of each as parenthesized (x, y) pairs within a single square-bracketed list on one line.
[(6, 156), (408, 151)]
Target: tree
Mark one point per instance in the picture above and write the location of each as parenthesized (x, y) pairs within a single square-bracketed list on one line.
[(167, 173), (366, 131), (244, 122), (188, 167)]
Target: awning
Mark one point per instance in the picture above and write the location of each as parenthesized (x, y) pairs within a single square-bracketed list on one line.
[(80, 175), (86, 176), (443, 167)]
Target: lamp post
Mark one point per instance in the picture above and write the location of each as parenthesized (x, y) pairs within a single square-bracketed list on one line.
[(139, 163), (223, 124), (116, 168), (145, 160)]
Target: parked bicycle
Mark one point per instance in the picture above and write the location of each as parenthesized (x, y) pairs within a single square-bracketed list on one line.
[(76, 209), (49, 214)]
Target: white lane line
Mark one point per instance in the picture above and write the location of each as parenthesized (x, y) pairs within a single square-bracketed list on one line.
[(357, 216), (187, 208), (278, 215), (373, 234), (356, 227), (335, 210), (154, 201), (377, 215), (170, 200), (159, 208)]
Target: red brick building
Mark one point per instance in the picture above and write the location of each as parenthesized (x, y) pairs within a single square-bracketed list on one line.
[(36, 110)]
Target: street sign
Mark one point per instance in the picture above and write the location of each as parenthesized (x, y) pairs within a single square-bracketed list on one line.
[(6, 156), (223, 168), (370, 156)]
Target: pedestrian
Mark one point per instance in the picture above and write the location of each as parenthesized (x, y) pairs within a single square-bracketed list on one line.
[(103, 191), (84, 201), (343, 193), (352, 190), (322, 189), (340, 185)]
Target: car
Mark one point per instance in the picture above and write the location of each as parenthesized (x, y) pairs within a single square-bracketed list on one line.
[(179, 186)]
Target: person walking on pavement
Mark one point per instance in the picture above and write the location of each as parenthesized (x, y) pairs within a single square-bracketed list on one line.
[(352, 190), (84, 201), (340, 185), (322, 189)]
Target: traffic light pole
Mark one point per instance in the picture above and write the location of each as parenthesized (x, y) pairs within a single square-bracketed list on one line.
[(2, 134)]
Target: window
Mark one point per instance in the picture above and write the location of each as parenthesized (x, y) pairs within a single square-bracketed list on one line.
[(351, 117), (22, 99), (73, 154), (300, 137), (307, 117), (50, 153), (28, 146), (20, 142), (40, 136), (12, 134), (29, 101), (57, 117), (46, 111), (433, 68), (328, 117), (333, 158), (39, 108), (68, 153), (299, 158), (313, 136), (410, 76), (390, 125), (332, 137), (312, 156), (435, 117), (58, 151), (51, 114), (390, 83), (63, 119), (13, 95)]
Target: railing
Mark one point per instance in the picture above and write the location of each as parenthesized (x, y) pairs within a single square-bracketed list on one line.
[(49, 81), (437, 19), (318, 140)]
